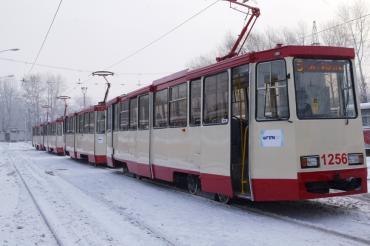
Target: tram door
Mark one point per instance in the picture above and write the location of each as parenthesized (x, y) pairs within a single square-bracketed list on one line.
[(239, 130)]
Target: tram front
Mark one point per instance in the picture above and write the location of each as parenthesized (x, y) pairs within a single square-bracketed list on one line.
[(309, 142)]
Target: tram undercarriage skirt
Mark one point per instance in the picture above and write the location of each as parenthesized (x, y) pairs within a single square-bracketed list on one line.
[(323, 187)]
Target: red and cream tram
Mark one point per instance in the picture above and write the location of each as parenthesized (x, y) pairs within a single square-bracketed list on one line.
[(70, 135), (55, 137), (281, 124), (89, 135), (37, 137), (365, 111)]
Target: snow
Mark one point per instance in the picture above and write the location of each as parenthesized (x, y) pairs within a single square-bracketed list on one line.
[(85, 205)]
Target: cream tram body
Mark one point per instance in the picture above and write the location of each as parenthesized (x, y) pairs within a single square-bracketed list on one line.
[(55, 137), (282, 124), (90, 138), (70, 135)]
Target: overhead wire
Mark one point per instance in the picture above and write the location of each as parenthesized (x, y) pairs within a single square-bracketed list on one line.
[(45, 38), (89, 77), (163, 35), (338, 25)]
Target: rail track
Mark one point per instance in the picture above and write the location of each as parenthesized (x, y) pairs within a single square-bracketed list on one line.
[(236, 204), (61, 240)]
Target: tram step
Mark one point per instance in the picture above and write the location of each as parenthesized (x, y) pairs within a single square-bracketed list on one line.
[(244, 196)]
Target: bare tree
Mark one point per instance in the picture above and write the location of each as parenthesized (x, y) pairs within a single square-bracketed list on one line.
[(335, 36), (358, 29), (10, 107)]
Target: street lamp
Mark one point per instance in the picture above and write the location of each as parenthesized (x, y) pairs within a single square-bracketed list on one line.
[(15, 49)]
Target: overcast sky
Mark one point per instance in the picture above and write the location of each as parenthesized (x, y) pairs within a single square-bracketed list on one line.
[(90, 35)]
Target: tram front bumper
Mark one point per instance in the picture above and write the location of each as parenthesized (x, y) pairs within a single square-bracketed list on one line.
[(311, 185)]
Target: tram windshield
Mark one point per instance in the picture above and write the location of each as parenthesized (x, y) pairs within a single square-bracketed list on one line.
[(324, 89)]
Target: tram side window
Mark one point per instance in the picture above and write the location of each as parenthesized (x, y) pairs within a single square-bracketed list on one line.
[(195, 98), (109, 119), (92, 121), (86, 122), (124, 116), (115, 116), (100, 122), (81, 123), (272, 91), (178, 105), (160, 109), (365, 117), (133, 114), (216, 96), (144, 112), (67, 125), (59, 129), (240, 84)]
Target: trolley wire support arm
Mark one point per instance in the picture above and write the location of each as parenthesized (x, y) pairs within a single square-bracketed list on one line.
[(252, 14), (104, 74)]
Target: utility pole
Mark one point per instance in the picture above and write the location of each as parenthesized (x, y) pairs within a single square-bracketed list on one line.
[(50, 97), (84, 91)]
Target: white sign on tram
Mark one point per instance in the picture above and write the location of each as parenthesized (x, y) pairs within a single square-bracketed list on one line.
[(272, 138)]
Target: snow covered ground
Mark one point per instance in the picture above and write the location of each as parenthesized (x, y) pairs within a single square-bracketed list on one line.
[(82, 205)]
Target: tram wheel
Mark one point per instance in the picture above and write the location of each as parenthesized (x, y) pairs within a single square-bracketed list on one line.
[(193, 184), (124, 169), (222, 198)]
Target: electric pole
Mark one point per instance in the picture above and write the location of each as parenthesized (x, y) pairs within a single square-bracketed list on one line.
[(315, 35), (84, 91)]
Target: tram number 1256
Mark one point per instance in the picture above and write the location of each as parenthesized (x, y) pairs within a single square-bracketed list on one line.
[(335, 159)]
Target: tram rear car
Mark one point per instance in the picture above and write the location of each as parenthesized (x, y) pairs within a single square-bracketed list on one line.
[(90, 138), (55, 137)]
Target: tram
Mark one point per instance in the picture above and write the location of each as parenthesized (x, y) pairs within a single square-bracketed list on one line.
[(89, 140), (55, 136), (274, 125), (365, 111), (281, 124)]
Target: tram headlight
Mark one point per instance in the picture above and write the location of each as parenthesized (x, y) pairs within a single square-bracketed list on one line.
[(312, 161), (355, 159)]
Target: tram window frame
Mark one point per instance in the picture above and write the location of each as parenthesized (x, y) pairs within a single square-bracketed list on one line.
[(160, 122), (124, 116), (92, 122), (194, 122), (133, 118), (115, 116), (109, 123), (353, 86), (81, 123), (278, 118), (143, 123), (86, 122), (227, 106), (175, 101), (235, 100), (100, 122), (59, 127)]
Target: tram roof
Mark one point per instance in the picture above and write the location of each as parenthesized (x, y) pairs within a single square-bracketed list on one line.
[(255, 57)]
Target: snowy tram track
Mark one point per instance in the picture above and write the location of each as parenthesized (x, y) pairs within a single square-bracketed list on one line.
[(290, 220), (306, 224), (77, 219), (58, 241), (162, 214)]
